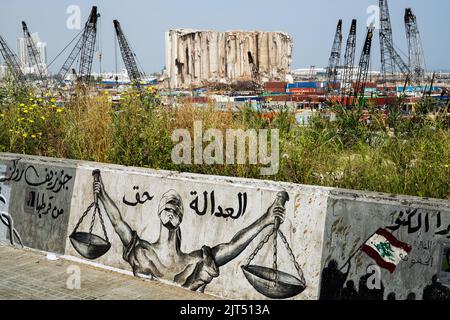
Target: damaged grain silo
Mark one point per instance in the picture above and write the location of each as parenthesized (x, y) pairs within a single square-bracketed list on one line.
[(197, 58)]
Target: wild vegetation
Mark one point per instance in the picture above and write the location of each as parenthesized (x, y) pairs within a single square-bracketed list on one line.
[(390, 153)]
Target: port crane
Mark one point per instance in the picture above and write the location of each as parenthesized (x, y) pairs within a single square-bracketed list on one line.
[(391, 61), (312, 73), (11, 61), (128, 56), (84, 49), (415, 49), (34, 55), (349, 61), (364, 64), (335, 57)]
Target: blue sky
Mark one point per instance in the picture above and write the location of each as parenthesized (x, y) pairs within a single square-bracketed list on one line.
[(311, 23)]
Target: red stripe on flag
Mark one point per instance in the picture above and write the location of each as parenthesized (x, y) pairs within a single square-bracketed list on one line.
[(393, 240), (379, 260)]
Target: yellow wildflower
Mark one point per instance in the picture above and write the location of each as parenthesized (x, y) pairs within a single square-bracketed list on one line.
[(43, 118), (33, 136), (25, 135), (31, 121), (59, 110)]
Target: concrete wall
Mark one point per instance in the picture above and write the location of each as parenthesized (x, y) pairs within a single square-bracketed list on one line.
[(4, 202), (213, 242), (353, 218), (38, 196)]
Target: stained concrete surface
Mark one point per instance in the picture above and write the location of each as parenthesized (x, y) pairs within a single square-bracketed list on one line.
[(196, 57)]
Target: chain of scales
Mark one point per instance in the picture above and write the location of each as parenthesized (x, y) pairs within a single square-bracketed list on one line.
[(88, 244), (275, 232)]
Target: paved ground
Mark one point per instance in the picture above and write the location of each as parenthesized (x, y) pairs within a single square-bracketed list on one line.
[(29, 275)]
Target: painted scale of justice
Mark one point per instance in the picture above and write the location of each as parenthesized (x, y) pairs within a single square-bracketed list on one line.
[(270, 282), (87, 244)]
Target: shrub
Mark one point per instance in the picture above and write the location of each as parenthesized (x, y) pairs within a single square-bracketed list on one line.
[(363, 149)]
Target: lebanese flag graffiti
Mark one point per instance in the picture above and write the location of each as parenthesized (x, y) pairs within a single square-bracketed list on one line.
[(386, 250)]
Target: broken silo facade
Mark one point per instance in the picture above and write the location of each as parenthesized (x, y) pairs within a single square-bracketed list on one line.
[(197, 58)]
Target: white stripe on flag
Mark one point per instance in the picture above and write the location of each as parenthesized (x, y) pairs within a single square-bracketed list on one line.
[(397, 253)]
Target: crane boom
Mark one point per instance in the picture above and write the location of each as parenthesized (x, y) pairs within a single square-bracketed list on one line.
[(390, 59), (69, 62), (364, 63), (415, 50), (33, 53), (128, 56), (90, 27), (87, 50), (11, 61), (349, 60), (335, 57)]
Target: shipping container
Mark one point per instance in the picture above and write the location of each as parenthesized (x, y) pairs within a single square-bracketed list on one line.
[(302, 90), (276, 84), (246, 99), (417, 89), (299, 85), (275, 90)]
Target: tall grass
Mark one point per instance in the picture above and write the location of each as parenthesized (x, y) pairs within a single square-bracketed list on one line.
[(391, 154)]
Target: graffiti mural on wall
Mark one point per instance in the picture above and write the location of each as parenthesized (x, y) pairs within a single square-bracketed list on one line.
[(387, 252), (164, 259), (53, 180), (414, 224), (40, 197), (444, 263), (219, 212), (140, 199), (7, 220), (391, 254), (335, 286), (37, 200), (41, 204)]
